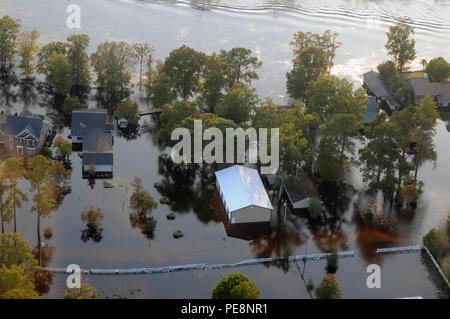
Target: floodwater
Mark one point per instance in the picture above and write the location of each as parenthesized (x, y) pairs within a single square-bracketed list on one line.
[(266, 28)]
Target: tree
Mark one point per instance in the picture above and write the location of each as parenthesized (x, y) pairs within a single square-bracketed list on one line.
[(400, 45), (293, 146), (380, 157), (143, 205), (71, 103), (27, 48), (5, 213), (59, 74), (92, 217), (213, 81), (327, 42), (63, 148), (79, 62), (236, 286), (332, 263), (328, 96), (44, 198), (9, 29), (17, 268), (425, 120), (311, 64), (329, 288), (14, 172), (238, 104), (45, 53), (397, 84), (315, 208), (424, 63), (183, 66), (159, 87), (144, 53), (129, 110), (438, 70), (173, 115), (437, 243), (239, 66), (113, 62)]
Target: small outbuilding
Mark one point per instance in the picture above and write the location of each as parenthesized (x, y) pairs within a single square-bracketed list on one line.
[(243, 195), (299, 192), (122, 122)]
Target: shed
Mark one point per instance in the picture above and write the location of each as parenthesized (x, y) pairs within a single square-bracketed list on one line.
[(299, 192), (243, 195)]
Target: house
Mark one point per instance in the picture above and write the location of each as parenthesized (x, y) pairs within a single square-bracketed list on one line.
[(422, 87), (122, 122), (372, 110), (375, 86), (299, 192), (444, 98), (85, 120), (97, 150), (24, 134), (243, 195), (94, 137)]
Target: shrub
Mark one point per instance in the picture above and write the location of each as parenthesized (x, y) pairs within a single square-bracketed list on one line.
[(150, 226), (332, 263), (445, 266), (171, 215), (164, 200), (48, 232), (329, 288), (437, 243), (46, 151), (235, 286), (178, 234), (315, 208)]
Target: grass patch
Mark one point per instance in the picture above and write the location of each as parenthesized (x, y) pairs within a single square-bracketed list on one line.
[(170, 216), (178, 234)]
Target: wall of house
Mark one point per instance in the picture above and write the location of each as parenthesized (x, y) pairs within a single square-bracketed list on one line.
[(99, 168), (304, 203), (251, 214)]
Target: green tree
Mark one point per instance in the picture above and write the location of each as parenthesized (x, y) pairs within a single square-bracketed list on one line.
[(239, 66), (45, 53), (129, 110), (315, 208), (18, 268), (63, 148), (27, 48), (71, 103), (328, 288), (5, 213), (173, 115), (184, 67), (92, 217), (14, 173), (293, 147), (79, 61), (59, 74), (332, 263), (400, 45), (438, 69), (238, 104), (113, 62), (213, 81), (9, 29), (236, 286), (159, 87), (437, 243)]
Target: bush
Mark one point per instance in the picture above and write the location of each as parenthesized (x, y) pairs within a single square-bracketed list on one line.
[(236, 286), (46, 152), (438, 69), (164, 200), (178, 234), (150, 226), (332, 263), (437, 243), (171, 216), (48, 232), (329, 288), (315, 208), (445, 266)]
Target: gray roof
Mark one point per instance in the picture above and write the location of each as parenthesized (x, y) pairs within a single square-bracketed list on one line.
[(98, 158), (13, 125), (299, 189), (84, 120), (242, 187), (97, 148), (372, 110), (423, 87), (375, 84), (444, 97)]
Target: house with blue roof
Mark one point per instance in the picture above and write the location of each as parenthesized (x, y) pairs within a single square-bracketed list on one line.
[(243, 195)]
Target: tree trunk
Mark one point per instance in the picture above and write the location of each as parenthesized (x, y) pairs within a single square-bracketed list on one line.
[(14, 205)]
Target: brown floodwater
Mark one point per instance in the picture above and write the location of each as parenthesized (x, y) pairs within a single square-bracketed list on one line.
[(193, 197)]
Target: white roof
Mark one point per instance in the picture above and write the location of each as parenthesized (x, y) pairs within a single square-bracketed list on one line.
[(242, 187)]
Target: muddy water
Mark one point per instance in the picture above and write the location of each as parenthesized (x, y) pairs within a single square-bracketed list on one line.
[(267, 32)]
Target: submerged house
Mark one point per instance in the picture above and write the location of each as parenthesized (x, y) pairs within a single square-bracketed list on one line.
[(372, 110), (24, 134), (94, 137), (422, 87), (299, 192), (243, 195), (375, 86)]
